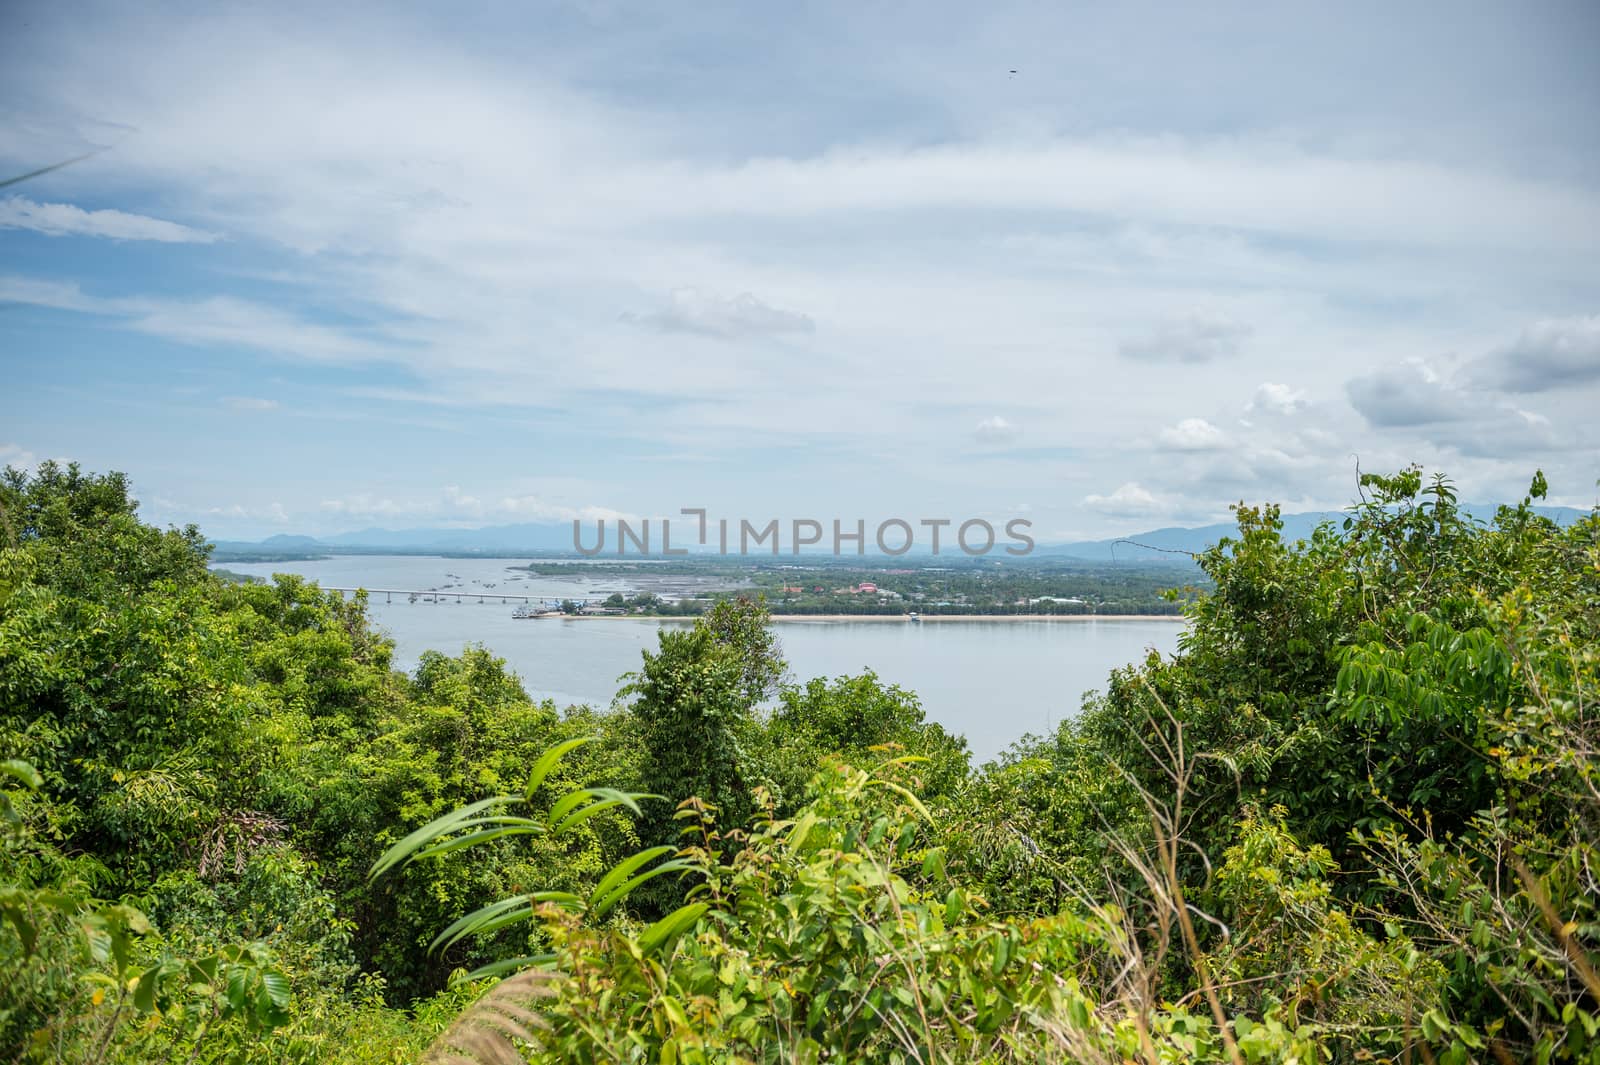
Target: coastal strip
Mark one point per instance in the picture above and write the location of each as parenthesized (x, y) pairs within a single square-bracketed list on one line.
[(790, 619)]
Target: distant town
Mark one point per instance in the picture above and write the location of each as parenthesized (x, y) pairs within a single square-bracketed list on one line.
[(992, 588)]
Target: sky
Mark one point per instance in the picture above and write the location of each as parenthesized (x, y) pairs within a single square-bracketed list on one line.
[(1104, 267)]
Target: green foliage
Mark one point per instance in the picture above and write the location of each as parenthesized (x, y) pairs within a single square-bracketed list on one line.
[(1354, 818), (853, 716), (494, 819), (1294, 952), (742, 625), (1031, 828), (840, 936), (231, 759), (694, 706), (832, 936), (88, 980)]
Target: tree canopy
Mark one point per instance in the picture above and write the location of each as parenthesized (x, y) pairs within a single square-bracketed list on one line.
[(1354, 818)]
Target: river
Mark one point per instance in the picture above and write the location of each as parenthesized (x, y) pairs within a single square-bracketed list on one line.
[(991, 681)]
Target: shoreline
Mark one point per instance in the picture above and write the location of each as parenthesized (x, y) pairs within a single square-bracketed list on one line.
[(901, 618), (921, 618)]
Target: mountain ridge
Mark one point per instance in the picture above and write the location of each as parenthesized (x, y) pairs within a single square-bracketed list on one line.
[(1166, 543)]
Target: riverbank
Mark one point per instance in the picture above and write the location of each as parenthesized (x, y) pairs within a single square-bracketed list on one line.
[(899, 618), (927, 618)]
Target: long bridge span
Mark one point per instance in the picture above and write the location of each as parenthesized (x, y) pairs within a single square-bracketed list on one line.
[(441, 595)]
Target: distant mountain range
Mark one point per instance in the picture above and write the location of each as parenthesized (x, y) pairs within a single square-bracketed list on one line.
[(1162, 543), (536, 538), (541, 537), (1175, 542)]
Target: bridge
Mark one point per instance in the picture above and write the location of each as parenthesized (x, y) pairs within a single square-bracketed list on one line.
[(440, 595)]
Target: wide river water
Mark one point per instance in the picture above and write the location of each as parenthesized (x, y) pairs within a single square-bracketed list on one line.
[(992, 681)]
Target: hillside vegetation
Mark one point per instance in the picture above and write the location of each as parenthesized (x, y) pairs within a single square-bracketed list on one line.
[(1355, 818)]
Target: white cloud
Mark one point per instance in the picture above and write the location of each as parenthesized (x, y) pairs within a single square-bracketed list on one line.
[(955, 252), (1202, 336), (1272, 398), (18, 457), (63, 219), (1405, 396), (1550, 354), (164, 509), (364, 504), (1127, 501), (690, 310), (57, 295), (1193, 434), (222, 321), (456, 506), (1457, 410), (996, 430)]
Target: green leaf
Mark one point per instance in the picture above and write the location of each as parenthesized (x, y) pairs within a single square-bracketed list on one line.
[(905, 793), (472, 838), (22, 773), (566, 804), (276, 986), (605, 799), (517, 907), (627, 888), (547, 761), (663, 932), (504, 966), (144, 992), (621, 872), (237, 977), (405, 850)]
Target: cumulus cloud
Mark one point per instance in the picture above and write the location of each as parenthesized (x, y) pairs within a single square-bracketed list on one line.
[(17, 457), (1452, 412), (1192, 434), (1468, 410), (1550, 354), (64, 219), (1202, 336), (1127, 501), (1502, 431), (691, 310), (996, 430), (1273, 398), (1405, 396)]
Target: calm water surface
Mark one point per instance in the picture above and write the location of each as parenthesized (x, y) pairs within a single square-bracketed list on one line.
[(991, 681)]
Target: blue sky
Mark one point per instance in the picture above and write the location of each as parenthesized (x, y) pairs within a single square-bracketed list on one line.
[(417, 265)]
